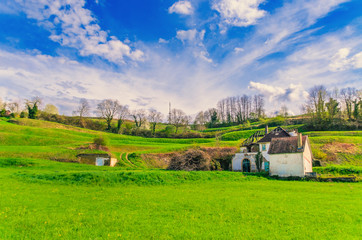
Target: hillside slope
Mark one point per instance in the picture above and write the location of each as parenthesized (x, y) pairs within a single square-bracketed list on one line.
[(48, 140)]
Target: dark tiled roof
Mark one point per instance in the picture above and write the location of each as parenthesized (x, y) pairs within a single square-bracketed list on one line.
[(276, 133), (286, 145)]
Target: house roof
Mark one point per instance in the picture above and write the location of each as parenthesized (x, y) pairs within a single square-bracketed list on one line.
[(276, 133), (286, 145)]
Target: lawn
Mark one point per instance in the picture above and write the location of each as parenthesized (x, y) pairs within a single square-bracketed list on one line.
[(41, 199)]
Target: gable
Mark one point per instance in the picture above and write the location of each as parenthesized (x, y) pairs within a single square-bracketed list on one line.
[(276, 133)]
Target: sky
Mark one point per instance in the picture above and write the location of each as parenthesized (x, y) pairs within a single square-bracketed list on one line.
[(192, 53)]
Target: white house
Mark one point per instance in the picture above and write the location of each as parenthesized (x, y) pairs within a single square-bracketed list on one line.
[(290, 156), (272, 152), (259, 141)]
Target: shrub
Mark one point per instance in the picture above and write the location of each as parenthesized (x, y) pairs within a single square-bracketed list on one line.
[(191, 160), (22, 114), (100, 141)]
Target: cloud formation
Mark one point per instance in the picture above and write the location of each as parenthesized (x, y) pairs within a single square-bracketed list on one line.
[(74, 26), (343, 61), (240, 13), (190, 35), (181, 7)]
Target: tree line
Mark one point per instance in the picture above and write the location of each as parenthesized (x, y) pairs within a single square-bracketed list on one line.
[(323, 108), (335, 109)]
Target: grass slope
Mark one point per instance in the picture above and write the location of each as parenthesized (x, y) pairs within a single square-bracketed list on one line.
[(47, 140)]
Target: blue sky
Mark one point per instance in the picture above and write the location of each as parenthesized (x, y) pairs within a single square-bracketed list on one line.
[(190, 53)]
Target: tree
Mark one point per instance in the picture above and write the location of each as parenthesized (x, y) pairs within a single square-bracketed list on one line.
[(283, 111), (107, 109), (177, 118), (154, 117), (51, 109), (258, 161), (139, 117), (348, 96), (332, 108), (186, 122), (317, 99), (83, 109), (32, 106), (14, 107), (122, 115)]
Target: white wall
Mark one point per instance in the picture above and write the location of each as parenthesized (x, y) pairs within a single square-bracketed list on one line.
[(287, 164), (307, 158), (236, 162), (238, 159), (265, 153)]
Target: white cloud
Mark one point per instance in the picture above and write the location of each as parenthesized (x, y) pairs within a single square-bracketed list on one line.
[(74, 26), (294, 93), (341, 60), (238, 50), (204, 56), (61, 81), (161, 40), (181, 7), (240, 13), (188, 35)]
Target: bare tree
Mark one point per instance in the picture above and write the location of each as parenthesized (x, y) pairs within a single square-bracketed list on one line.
[(186, 122), (14, 107), (107, 109), (200, 118), (349, 96), (154, 117), (2, 104), (177, 118), (139, 117), (283, 111), (83, 109), (122, 115)]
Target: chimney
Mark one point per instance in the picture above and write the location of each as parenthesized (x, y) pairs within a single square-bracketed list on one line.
[(266, 129), (300, 141)]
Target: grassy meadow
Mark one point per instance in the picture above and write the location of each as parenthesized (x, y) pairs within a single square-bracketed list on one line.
[(46, 199), (43, 199)]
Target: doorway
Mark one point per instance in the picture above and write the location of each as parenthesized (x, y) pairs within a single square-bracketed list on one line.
[(246, 165)]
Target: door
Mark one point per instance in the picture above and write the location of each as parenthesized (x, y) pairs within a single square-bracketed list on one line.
[(99, 161), (246, 165)]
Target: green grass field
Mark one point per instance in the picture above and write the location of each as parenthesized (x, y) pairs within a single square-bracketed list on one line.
[(44, 199)]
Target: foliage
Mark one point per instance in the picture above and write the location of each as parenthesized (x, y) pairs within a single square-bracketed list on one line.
[(258, 161), (51, 109), (191, 160), (339, 170), (101, 141), (32, 107)]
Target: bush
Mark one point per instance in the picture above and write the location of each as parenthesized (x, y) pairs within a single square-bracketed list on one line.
[(191, 160), (100, 141), (23, 115)]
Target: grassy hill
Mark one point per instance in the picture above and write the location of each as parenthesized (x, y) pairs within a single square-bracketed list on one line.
[(43, 199), (26, 138)]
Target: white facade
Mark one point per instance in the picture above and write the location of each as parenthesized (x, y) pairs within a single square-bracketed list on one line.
[(291, 164), (264, 148), (237, 162)]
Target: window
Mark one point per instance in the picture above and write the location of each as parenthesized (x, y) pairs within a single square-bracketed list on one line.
[(263, 147)]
